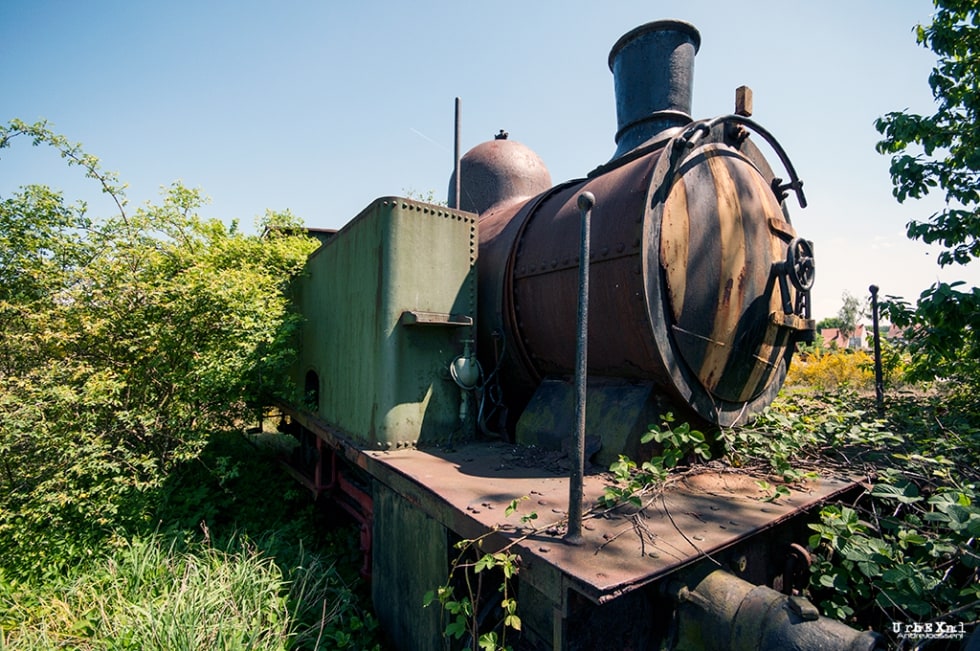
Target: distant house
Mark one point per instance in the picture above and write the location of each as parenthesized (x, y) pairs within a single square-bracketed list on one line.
[(858, 340), (833, 337)]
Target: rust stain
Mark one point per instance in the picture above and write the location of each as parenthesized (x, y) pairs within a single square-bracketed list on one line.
[(774, 250), (732, 264), (726, 295), (716, 483), (675, 243)]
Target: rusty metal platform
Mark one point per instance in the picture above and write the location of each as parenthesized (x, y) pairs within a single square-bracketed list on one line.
[(469, 488)]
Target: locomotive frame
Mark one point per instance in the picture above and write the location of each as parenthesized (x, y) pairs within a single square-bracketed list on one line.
[(620, 588)]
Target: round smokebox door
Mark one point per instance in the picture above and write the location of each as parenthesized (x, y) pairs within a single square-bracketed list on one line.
[(717, 251)]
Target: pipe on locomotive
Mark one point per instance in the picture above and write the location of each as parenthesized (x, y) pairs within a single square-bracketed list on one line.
[(576, 477), (717, 611)]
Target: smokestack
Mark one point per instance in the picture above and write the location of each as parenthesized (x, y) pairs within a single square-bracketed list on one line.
[(653, 74)]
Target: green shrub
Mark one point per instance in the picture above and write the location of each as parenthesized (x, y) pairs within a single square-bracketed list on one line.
[(125, 341), (905, 550), (132, 350), (831, 370)]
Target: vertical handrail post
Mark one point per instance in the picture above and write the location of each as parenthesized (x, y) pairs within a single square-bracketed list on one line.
[(586, 201), (457, 153)]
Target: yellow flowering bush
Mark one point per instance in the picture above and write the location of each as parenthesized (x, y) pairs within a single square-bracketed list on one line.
[(831, 369)]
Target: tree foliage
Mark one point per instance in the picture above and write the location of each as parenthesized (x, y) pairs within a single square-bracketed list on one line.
[(947, 142), (124, 341), (849, 315), (827, 323), (941, 153)]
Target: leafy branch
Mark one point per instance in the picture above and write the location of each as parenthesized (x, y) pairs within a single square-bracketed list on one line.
[(632, 481), (39, 133), (125, 343), (471, 565), (941, 152), (906, 549)]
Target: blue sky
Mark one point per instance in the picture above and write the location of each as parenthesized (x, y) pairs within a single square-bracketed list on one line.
[(320, 107)]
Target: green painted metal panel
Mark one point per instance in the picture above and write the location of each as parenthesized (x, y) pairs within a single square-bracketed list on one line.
[(388, 302), (410, 558)]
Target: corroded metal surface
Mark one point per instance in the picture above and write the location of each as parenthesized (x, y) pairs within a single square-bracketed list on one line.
[(689, 254), (545, 279), (719, 612), (469, 489), (718, 251), (697, 285), (719, 238), (653, 72), (499, 171)]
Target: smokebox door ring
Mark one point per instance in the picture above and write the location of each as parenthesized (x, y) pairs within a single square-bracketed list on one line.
[(701, 129)]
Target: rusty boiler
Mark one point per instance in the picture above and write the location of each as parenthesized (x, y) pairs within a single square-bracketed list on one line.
[(700, 282)]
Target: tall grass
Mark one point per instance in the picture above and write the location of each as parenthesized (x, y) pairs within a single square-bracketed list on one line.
[(238, 560), (149, 595)]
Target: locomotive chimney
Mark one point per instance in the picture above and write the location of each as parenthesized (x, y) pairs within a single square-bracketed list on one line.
[(653, 70)]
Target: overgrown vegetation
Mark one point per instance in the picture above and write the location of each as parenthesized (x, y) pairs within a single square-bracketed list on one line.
[(830, 369), (905, 551), (133, 346), (226, 567), (134, 350), (904, 555), (463, 598), (680, 444), (124, 342), (938, 153)]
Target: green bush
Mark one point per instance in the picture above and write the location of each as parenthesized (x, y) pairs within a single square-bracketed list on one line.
[(125, 342), (833, 369), (905, 550), (133, 351)]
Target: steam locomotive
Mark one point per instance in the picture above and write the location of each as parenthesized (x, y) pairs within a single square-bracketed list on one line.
[(442, 344)]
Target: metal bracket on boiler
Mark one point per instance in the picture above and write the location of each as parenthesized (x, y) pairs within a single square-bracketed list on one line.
[(700, 129), (798, 269), (792, 321)]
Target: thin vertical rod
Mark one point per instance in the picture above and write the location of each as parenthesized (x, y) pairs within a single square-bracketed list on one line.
[(879, 379), (456, 155), (586, 201)]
